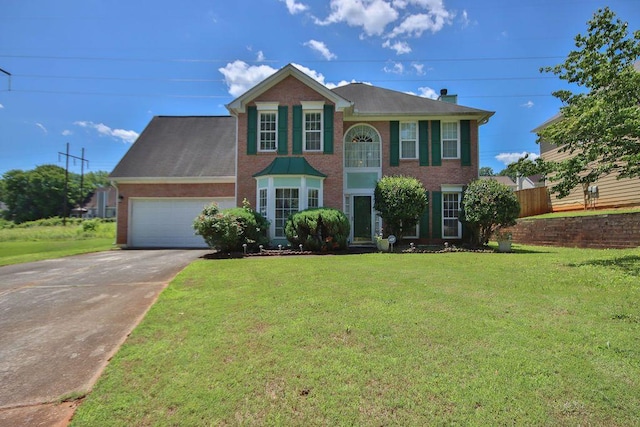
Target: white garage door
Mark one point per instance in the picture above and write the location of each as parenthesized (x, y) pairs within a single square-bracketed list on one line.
[(168, 223)]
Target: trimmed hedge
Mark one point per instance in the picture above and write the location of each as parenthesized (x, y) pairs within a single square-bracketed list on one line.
[(318, 229)]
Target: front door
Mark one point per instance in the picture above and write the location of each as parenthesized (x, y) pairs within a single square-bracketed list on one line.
[(362, 219)]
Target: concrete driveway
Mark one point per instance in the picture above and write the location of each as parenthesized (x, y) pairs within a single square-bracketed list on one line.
[(62, 320)]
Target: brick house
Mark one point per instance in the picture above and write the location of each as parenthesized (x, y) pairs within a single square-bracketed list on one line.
[(291, 144)]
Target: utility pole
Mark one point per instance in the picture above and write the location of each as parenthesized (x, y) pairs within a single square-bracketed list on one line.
[(66, 179)]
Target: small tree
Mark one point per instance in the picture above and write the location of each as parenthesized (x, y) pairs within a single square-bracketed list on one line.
[(486, 206), (228, 230), (400, 200)]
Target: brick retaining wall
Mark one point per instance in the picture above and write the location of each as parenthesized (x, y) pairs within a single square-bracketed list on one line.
[(599, 231)]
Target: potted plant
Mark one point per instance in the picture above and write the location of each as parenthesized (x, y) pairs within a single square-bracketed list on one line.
[(382, 244)]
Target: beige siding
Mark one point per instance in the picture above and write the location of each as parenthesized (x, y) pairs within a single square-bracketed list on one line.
[(612, 191)]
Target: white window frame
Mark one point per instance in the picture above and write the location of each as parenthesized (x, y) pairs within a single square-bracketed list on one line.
[(312, 107), (265, 108), (414, 140), (313, 194), (413, 236), (368, 147), (290, 210), (449, 190), (443, 139), (267, 207)]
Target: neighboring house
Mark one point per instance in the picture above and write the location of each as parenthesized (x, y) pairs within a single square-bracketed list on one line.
[(502, 180), (291, 144), (607, 192), (102, 203)]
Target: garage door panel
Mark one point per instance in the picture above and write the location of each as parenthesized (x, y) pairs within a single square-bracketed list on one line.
[(168, 222)]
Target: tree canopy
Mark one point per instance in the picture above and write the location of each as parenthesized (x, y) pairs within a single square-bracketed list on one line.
[(600, 125), (39, 193)]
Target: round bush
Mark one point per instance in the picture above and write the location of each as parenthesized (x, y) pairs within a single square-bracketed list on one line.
[(228, 230), (318, 229), (486, 206), (401, 200)]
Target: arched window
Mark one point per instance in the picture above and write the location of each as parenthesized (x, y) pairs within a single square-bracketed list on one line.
[(362, 147)]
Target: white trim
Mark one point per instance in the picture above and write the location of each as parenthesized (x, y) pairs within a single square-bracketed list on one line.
[(451, 188), (267, 106), (312, 105)]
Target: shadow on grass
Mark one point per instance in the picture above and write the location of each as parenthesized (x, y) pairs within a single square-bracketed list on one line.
[(629, 264)]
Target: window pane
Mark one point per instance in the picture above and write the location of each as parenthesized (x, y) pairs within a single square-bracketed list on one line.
[(267, 131), (286, 204), (312, 198), (450, 209), (408, 150), (362, 147)]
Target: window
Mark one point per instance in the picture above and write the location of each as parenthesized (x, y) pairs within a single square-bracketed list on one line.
[(451, 227), (408, 140), (267, 128), (411, 233), (313, 198), (262, 202), (362, 147), (286, 204), (450, 141), (313, 131)]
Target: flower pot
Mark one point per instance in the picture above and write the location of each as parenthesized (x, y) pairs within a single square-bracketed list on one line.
[(383, 245), (504, 245)]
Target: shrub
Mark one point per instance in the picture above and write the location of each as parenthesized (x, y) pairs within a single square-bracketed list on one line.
[(90, 224), (488, 205), (228, 230), (318, 229), (400, 200)]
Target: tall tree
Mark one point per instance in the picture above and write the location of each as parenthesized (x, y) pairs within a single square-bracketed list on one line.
[(600, 128), (524, 167)]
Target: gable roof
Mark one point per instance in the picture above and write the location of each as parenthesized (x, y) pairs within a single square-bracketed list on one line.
[(181, 147), (290, 166), (239, 104), (376, 101)]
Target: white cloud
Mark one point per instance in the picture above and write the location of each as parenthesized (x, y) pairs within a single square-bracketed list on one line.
[(295, 7), (427, 92), (41, 126), (527, 104), (124, 135), (66, 132), (415, 25), (399, 47), (465, 21), (508, 158), (419, 68), (1, 106), (260, 57), (372, 15), (321, 48), (394, 68), (240, 76)]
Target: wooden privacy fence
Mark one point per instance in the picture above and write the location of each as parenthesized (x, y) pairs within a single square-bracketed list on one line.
[(533, 201)]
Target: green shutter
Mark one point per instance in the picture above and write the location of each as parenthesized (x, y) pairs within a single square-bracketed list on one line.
[(436, 210), (252, 130), (394, 129), (283, 143), (424, 220), (423, 142), (328, 129), (297, 130), (465, 142), (436, 143)]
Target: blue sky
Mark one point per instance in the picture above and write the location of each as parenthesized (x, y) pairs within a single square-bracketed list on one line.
[(92, 73)]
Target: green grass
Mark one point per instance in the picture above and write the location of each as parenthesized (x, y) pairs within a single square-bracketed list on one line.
[(18, 245), (544, 336)]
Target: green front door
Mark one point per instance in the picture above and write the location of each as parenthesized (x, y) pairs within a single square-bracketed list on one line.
[(362, 219)]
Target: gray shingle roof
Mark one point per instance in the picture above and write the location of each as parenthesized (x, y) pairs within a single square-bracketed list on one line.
[(182, 147), (379, 101)]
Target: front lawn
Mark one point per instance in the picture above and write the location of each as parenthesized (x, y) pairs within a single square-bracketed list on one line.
[(34, 243), (544, 336)]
